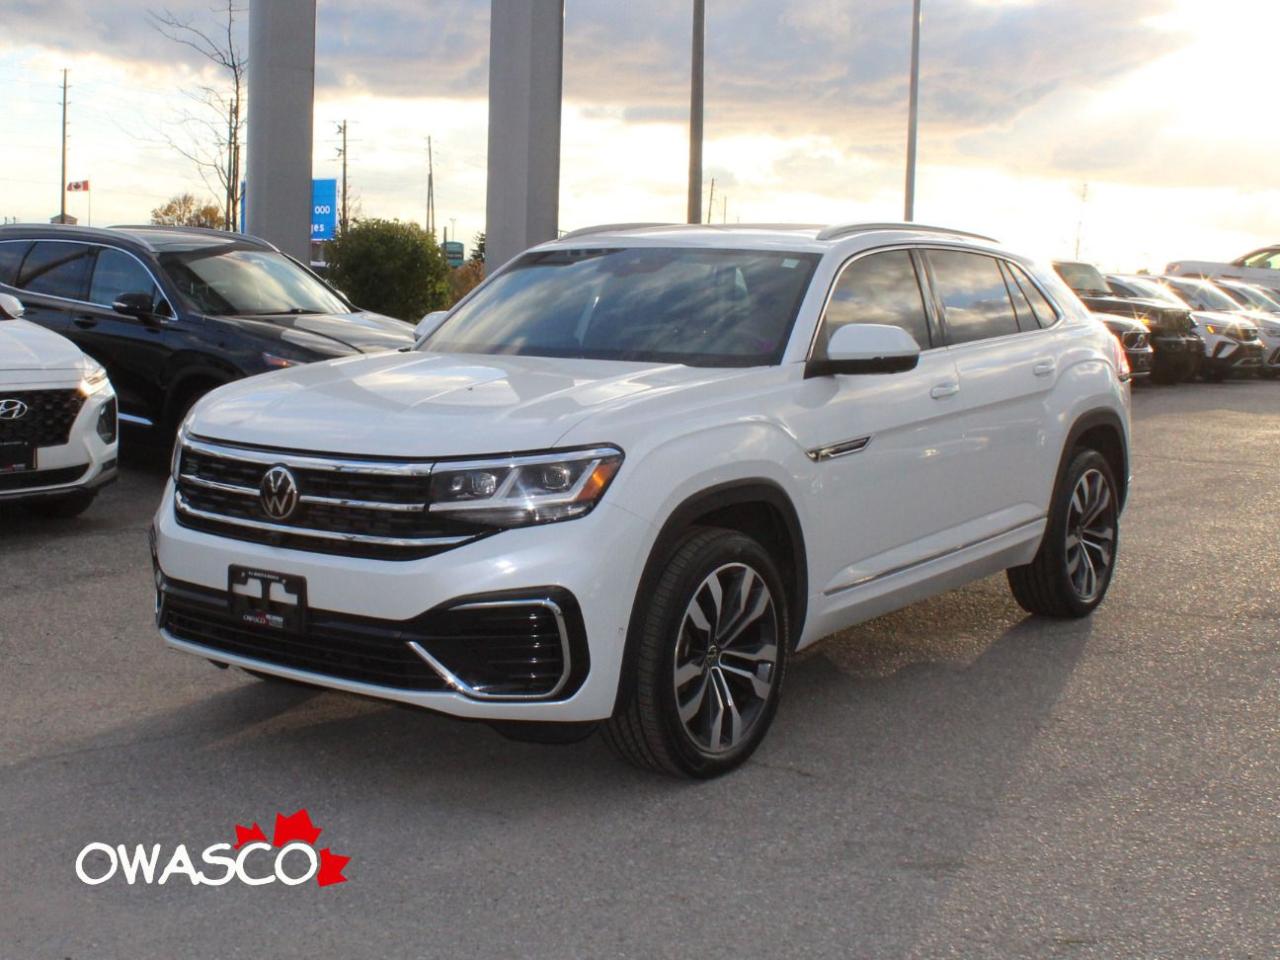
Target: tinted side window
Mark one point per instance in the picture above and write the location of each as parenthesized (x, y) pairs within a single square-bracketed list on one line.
[(11, 254), (1021, 308), (880, 288), (57, 269), (115, 273), (973, 295), (1044, 311)]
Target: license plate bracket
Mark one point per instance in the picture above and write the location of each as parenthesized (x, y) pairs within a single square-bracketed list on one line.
[(17, 456), (264, 598)]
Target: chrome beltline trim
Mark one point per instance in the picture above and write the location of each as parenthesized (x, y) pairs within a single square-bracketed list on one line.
[(184, 507), (893, 571), (476, 693)]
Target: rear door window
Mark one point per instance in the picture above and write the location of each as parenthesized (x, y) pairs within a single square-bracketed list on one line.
[(1046, 315), (11, 254), (57, 269), (974, 298)]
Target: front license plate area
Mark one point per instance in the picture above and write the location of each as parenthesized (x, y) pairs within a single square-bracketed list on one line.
[(262, 598), (17, 456)]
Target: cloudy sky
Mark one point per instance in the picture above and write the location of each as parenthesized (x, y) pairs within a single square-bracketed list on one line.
[(1162, 107)]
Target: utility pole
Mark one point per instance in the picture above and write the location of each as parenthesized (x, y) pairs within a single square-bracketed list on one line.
[(1084, 198), (342, 152), (695, 112), (431, 192), (724, 200), (62, 186), (913, 115), (711, 203)]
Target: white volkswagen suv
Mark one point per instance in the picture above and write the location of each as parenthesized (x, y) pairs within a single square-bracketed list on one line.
[(637, 468), (58, 419)]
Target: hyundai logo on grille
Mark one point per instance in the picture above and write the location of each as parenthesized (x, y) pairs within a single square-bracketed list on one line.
[(278, 493), (12, 409)]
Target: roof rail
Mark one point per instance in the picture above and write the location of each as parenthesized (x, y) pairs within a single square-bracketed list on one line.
[(610, 227), (835, 231)]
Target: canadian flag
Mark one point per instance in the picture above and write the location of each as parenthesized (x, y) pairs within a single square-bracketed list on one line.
[(76, 186)]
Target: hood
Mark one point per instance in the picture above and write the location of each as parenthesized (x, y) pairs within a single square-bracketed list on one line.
[(1118, 324), (333, 334), (430, 405), (1165, 316), (27, 348), (1224, 318)]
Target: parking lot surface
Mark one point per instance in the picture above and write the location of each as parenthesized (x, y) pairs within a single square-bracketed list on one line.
[(953, 780)]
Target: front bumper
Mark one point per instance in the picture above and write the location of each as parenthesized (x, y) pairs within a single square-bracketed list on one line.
[(1224, 355), (594, 561), (85, 462)]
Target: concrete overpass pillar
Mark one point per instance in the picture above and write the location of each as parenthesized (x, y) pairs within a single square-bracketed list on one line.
[(282, 77), (526, 56)]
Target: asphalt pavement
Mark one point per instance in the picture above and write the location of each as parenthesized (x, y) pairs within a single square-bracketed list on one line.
[(953, 780)]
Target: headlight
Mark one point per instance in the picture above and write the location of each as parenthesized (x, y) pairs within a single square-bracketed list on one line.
[(519, 491), (94, 377), (278, 363)]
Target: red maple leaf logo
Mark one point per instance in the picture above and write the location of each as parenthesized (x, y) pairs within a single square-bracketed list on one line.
[(295, 827), (331, 866), (249, 835)]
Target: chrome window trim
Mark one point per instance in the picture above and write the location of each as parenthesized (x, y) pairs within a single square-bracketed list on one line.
[(477, 693), (89, 243), (181, 505)]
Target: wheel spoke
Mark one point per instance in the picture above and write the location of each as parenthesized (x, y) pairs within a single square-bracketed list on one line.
[(688, 671), (731, 706), (716, 592), (689, 708), (767, 653), (747, 617), (715, 718), (759, 687)]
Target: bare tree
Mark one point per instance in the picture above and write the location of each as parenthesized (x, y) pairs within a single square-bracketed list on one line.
[(213, 132)]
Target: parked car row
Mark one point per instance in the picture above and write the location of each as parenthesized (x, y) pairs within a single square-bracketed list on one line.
[(1197, 326)]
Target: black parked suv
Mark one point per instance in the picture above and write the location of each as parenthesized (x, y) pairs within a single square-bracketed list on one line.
[(1177, 348), (173, 312)]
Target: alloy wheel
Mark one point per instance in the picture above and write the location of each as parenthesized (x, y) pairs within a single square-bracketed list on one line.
[(726, 657), (1091, 535)]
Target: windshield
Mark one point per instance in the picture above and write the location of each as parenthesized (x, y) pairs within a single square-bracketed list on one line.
[(1155, 291), (1251, 297), (650, 304), (1204, 297), (238, 281), (1083, 278)]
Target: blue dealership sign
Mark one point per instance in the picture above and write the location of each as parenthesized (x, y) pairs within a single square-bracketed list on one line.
[(324, 208)]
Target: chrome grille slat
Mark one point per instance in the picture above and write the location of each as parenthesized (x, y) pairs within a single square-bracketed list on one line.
[(357, 507)]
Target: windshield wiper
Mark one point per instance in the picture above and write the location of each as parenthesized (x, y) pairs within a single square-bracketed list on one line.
[(291, 312)]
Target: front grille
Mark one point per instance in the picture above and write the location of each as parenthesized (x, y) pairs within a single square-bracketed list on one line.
[(41, 478), (1275, 357), (49, 417), (347, 507), (492, 648)]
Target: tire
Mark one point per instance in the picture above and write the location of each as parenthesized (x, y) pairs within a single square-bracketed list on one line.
[(64, 507), (693, 651), (1055, 583)]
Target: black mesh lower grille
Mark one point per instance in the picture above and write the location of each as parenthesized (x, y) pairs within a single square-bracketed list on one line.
[(41, 478), (48, 419), (497, 650)]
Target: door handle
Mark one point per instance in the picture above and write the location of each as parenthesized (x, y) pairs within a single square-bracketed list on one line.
[(85, 322), (1044, 368), (947, 388)]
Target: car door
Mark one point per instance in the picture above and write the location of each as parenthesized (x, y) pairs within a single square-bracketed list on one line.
[(885, 447), (134, 349), (52, 283), (1007, 363)]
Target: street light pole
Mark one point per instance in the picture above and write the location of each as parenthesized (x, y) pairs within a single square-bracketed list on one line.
[(695, 113), (909, 211)]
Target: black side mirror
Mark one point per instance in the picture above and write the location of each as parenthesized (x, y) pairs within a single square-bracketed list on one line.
[(138, 305)]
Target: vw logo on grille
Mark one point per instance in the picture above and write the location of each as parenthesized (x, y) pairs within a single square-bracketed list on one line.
[(12, 409), (278, 493)]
